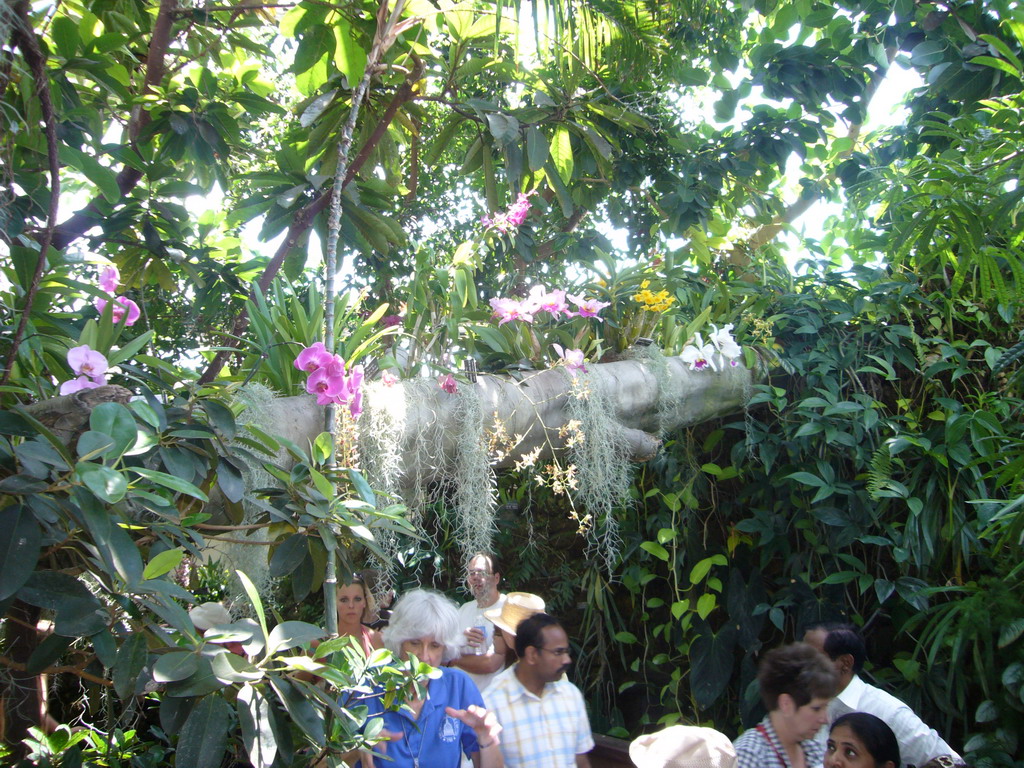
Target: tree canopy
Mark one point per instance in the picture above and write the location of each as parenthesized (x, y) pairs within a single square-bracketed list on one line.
[(642, 156)]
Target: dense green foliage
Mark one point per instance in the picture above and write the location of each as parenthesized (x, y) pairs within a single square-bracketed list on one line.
[(875, 475)]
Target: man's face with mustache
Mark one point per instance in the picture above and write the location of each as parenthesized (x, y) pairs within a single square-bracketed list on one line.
[(553, 657)]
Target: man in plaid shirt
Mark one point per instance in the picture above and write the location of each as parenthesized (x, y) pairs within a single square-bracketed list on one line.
[(544, 721)]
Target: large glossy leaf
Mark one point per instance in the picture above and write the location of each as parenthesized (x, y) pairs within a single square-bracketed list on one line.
[(231, 668), (204, 737), (711, 663), (289, 634), (301, 711), (131, 658), (106, 483), (254, 717), (20, 540), (288, 555), (174, 666), (117, 421)]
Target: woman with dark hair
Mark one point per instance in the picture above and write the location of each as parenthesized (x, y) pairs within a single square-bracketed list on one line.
[(450, 720), (860, 740), (796, 684)]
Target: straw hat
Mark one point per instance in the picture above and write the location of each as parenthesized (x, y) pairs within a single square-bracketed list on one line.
[(517, 607), (683, 746), (209, 615)]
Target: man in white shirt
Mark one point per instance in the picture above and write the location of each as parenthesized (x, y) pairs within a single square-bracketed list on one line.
[(484, 657), (844, 645)]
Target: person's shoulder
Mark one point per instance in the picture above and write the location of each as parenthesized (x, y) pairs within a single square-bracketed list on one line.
[(750, 739), (467, 605), (880, 702)]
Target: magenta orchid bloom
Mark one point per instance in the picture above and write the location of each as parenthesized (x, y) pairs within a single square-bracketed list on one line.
[(325, 386), (312, 357), (389, 321), (121, 305), (587, 307), (571, 358), (511, 309), (388, 379), (110, 278), (448, 384)]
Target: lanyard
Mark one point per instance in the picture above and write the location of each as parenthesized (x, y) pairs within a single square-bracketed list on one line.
[(764, 732)]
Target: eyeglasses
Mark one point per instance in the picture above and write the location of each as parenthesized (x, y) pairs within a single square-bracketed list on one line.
[(477, 572), (556, 651)]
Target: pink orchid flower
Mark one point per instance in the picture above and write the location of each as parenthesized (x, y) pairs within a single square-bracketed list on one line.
[(325, 386), (448, 384), (388, 379), (80, 383), (571, 358), (512, 219), (110, 278), (312, 357), (587, 307), (85, 361), (511, 309), (553, 303), (121, 305)]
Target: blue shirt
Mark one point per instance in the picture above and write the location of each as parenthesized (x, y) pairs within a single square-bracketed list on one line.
[(435, 739)]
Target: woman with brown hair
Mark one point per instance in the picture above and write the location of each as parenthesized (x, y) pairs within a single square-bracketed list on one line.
[(796, 684)]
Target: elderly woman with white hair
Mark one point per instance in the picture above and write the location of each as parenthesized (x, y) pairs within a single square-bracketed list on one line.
[(450, 720)]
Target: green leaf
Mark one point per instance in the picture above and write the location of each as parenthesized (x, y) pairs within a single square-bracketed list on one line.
[(162, 563), (174, 666), (299, 708), (131, 658), (221, 418), (117, 421), (536, 148), (107, 484), (1010, 631), (204, 737), (706, 604), (232, 668), (170, 481), (561, 153), (230, 480), (362, 487), (20, 542), (504, 128), (349, 56), (289, 634), (806, 478), (128, 350), (254, 598), (289, 555), (655, 549), (65, 37), (258, 735)]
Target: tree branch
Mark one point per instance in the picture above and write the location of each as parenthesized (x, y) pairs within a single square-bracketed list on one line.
[(11, 664), (34, 57), (128, 177)]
